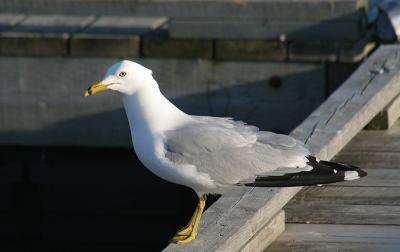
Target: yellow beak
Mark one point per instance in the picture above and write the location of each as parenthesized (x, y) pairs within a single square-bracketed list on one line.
[(96, 88)]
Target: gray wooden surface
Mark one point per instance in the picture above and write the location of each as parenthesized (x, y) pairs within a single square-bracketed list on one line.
[(104, 45), (330, 52), (126, 25), (160, 46), (288, 9), (261, 29), (323, 237), (250, 50), (346, 215), (54, 23), (135, 36), (226, 225), (33, 44)]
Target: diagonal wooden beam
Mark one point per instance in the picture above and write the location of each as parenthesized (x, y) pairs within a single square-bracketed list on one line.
[(239, 216)]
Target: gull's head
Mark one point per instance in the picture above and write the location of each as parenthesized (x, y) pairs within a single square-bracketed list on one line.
[(126, 77)]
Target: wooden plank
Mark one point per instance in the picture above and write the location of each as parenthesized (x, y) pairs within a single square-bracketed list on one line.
[(33, 112), (313, 51), (126, 25), (342, 233), (348, 195), (54, 23), (376, 141), (347, 52), (325, 132), (267, 234), (104, 45), (351, 106), (250, 50), (158, 45), (316, 246), (261, 29), (33, 44), (271, 9), (7, 21), (371, 159), (387, 117), (328, 213)]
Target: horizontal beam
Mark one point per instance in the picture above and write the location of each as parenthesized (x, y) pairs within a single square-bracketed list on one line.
[(238, 215), (271, 9), (261, 29)]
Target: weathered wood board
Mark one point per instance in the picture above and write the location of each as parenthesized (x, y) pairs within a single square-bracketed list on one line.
[(323, 51), (54, 23), (372, 202), (261, 29), (318, 238), (125, 25), (329, 213), (160, 46), (250, 50), (267, 234), (371, 159), (342, 233), (271, 9), (357, 195), (326, 131), (376, 144), (313, 51), (317, 246), (33, 44), (104, 45)]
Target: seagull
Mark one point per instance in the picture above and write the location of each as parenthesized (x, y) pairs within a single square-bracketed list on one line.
[(211, 155)]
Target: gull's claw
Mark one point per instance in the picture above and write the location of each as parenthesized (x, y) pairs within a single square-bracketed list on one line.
[(182, 239)]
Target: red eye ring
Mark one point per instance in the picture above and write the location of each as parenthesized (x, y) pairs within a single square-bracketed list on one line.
[(122, 74)]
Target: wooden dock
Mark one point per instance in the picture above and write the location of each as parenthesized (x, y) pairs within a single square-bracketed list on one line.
[(252, 218), (361, 215)]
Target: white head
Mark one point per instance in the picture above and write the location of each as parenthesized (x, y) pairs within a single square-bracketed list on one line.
[(126, 77)]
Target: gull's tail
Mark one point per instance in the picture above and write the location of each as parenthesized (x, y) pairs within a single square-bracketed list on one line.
[(322, 172)]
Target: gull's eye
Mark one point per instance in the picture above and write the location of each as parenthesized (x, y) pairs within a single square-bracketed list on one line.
[(122, 74)]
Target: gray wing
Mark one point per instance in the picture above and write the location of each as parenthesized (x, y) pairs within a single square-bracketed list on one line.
[(231, 151)]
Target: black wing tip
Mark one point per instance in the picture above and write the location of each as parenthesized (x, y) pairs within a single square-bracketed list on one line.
[(323, 172)]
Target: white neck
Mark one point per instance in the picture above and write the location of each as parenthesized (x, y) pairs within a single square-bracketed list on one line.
[(149, 112)]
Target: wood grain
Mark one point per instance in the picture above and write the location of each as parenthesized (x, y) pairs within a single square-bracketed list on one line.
[(348, 195), (318, 238), (329, 213)]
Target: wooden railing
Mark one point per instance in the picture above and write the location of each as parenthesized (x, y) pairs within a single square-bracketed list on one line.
[(249, 219)]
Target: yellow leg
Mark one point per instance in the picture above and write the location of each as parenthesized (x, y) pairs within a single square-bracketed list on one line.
[(189, 232), (189, 227)]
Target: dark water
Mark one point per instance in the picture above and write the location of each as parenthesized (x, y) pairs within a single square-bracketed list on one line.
[(86, 199)]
